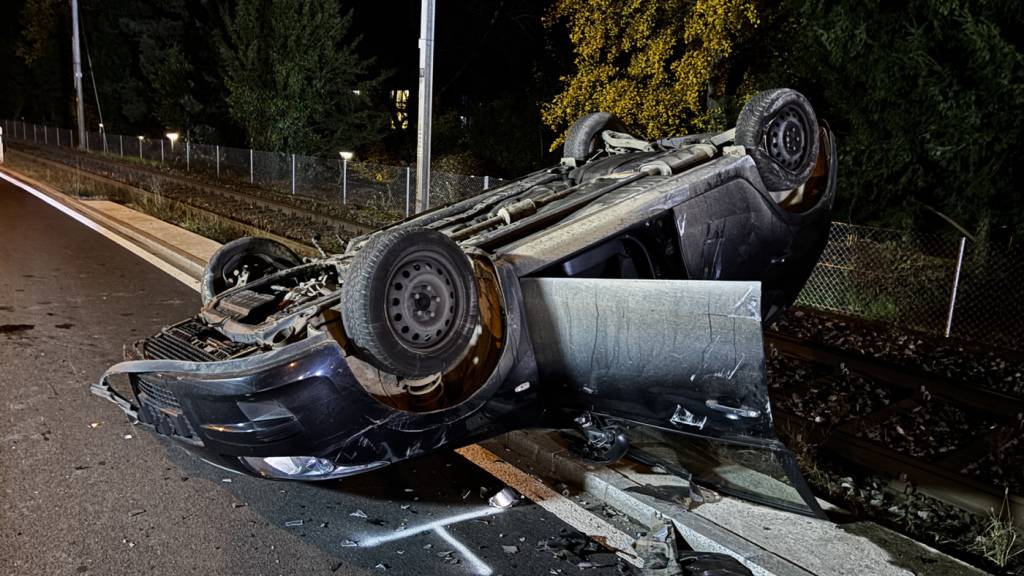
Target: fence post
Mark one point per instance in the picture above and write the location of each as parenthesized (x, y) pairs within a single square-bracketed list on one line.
[(87, 149), (293, 173), (35, 138), (251, 179), (161, 150), (2, 144), (408, 188), (188, 156), (487, 182), (956, 285), (58, 136), (218, 160), (46, 136), (120, 140)]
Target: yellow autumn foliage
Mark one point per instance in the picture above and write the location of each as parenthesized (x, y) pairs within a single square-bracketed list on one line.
[(653, 64)]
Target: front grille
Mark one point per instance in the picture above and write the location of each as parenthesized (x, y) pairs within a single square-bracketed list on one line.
[(157, 394), (193, 341)]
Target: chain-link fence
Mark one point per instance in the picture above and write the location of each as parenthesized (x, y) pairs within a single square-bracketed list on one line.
[(909, 279), (387, 190)]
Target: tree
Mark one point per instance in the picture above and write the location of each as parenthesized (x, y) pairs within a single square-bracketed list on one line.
[(927, 99), (294, 80), (658, 66), (163, 62)]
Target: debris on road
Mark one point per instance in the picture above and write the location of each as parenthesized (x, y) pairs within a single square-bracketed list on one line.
[(359, 514), (293, 523), (505, 498)]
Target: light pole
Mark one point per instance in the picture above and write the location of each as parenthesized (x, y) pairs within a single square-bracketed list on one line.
[(345, 157), (141, 138), (173, 137), (103, 136), (426, 93), (76, 57)]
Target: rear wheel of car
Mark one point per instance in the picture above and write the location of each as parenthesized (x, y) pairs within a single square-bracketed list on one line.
[(409, 302), (250, 258), (779, 130), (584, 136)]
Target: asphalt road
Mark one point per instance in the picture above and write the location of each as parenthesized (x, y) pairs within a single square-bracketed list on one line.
[(83, 492)]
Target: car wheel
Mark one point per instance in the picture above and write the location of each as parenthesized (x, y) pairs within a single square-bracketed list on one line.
[(779, 130), (584, 136), (250, 258), (409, 302)]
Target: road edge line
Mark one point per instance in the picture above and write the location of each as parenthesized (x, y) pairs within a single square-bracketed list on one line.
[(110, 229)]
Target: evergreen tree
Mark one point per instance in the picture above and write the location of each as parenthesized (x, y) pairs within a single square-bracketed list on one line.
[(294, 80)]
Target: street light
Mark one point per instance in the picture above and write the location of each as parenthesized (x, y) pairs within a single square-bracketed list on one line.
[(173, 137), (345, 157), (141, 138), (103, 136)]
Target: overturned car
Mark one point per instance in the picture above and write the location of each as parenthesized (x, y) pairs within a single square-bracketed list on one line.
[(619, 295)]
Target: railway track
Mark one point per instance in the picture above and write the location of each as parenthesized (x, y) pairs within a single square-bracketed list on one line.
[(940, 435), (266, 203)]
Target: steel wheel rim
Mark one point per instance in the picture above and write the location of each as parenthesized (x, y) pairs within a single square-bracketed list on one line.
[(422, 301), (787, 137)]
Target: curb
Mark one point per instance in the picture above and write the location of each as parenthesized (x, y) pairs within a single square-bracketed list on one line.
[(248, 228), (539, 451), (187, 263)]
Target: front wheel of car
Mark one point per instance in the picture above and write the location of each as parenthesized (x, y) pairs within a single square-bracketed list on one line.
[(244, 260), (779, 130), (410, 303)]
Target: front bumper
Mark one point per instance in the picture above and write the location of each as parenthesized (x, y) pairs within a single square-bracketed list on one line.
[(299, 400)]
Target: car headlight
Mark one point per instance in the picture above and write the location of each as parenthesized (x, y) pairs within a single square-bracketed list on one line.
[(303, 467)]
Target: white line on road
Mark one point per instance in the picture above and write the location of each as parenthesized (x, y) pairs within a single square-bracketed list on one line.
[(420, 528), (113, 237), (481, 568)]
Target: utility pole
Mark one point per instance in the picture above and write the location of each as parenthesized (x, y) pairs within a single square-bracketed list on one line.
[(76, 57), (426, 94)]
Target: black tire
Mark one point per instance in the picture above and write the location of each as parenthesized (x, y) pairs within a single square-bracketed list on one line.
[(409, 303), (584, 136), (261, 256), (711, 564), (780, 132)]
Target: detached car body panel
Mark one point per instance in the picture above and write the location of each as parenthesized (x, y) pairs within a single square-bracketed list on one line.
[(621, 298)]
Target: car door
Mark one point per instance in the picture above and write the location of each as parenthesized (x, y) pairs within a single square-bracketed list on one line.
[(679, 364)]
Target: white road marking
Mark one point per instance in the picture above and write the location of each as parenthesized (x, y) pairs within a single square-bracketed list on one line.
[(117, 239), (427, 527), (481, 568), (438, 527), (563, 508)]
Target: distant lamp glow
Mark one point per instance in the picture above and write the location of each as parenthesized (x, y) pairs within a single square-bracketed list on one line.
[(173, 137), (101, 125), (346, 155)]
